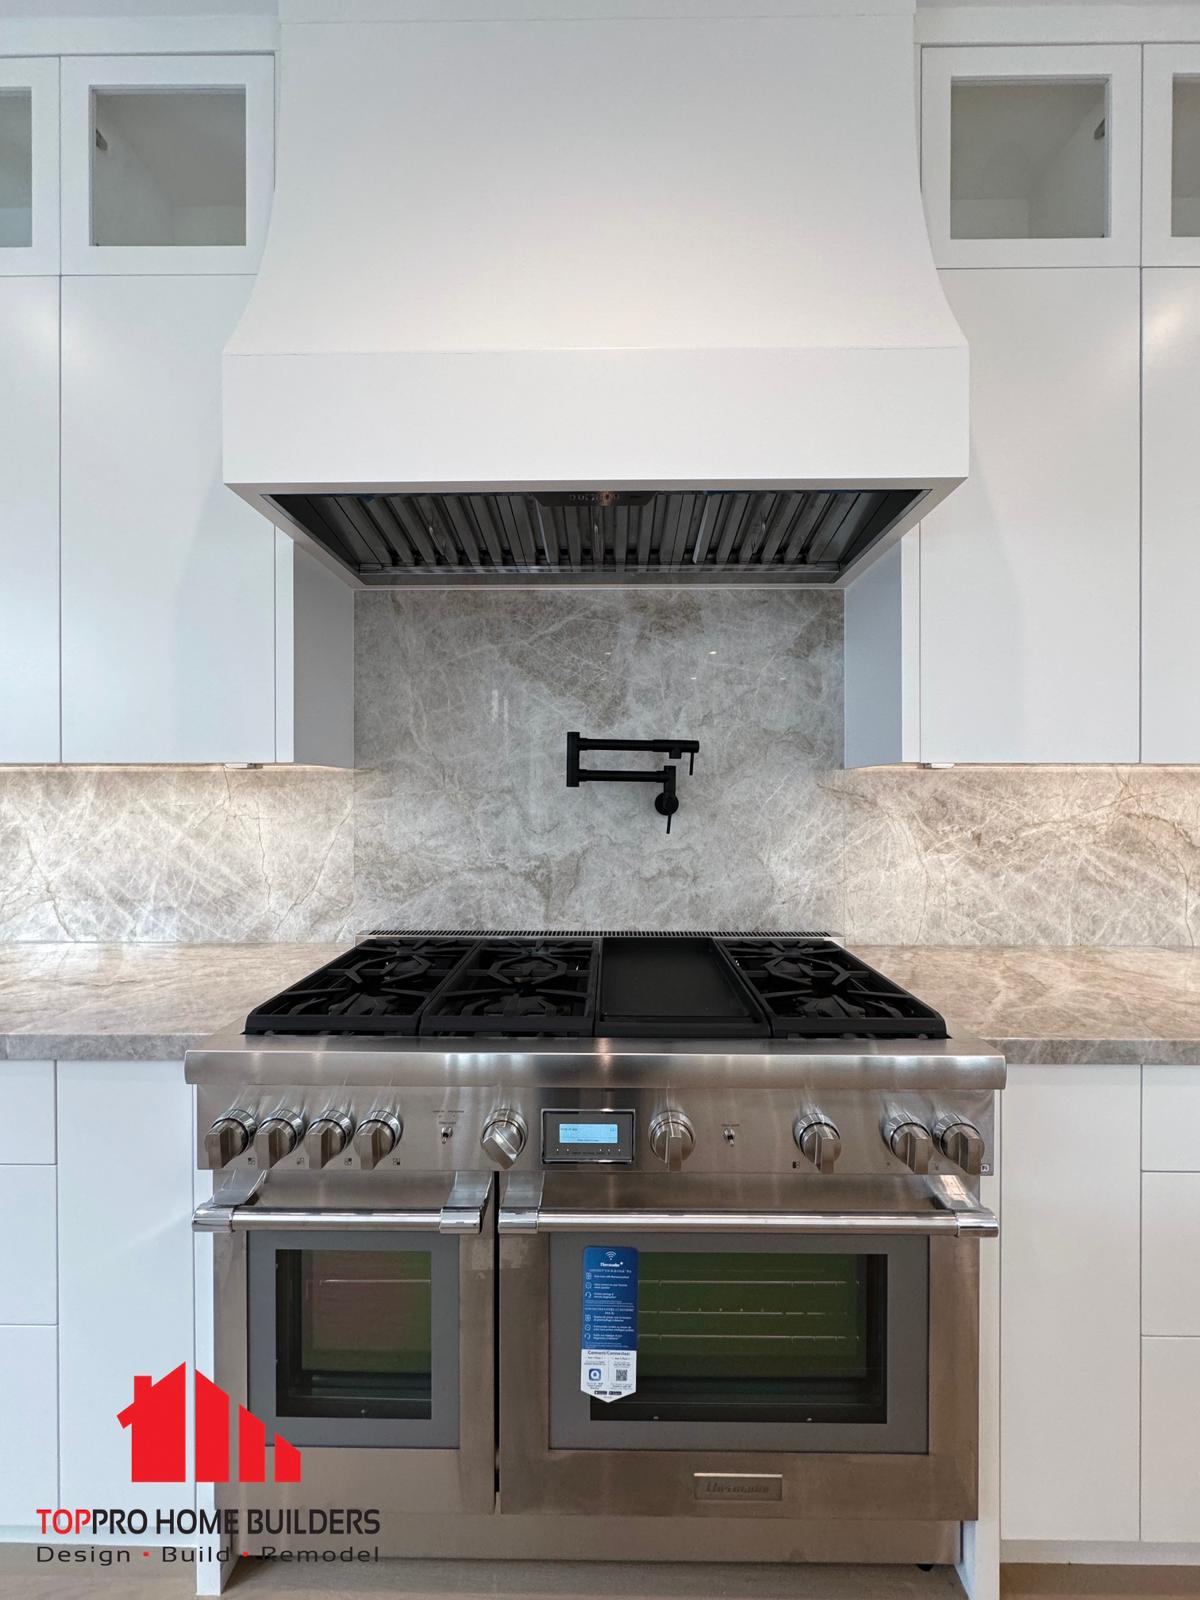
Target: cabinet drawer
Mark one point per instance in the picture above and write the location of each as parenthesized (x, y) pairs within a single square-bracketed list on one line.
[(1170, 1440), (29, 1383), (1171, 1119), (28, 1245), (1171, 1253), (27, 1095)]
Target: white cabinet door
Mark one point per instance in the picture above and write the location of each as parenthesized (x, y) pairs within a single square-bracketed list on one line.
[(1171, 155), (1029, 571), (29, 1459), (29, 519), (1030, 155), (1170, 515), (28, 167), (27, 1095), (124, 1260), (167, 162), (168, 578), (1171, 1253), (1069, 1334), (1171, 1440), (27, 1245), (1171, 1119)]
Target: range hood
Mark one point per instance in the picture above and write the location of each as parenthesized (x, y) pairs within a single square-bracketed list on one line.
[(566, 292)]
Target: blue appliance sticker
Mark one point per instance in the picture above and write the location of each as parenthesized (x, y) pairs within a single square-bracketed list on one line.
[(608, 1353)]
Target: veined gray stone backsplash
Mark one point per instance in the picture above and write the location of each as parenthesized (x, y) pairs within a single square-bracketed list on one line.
[(459, 811), (464, 702), (194, 854)]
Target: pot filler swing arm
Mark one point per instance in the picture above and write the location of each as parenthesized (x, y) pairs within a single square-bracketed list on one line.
[(666, 803)]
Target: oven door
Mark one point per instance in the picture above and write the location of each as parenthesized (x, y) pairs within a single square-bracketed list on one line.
[(357, 1323), (794, 1362)]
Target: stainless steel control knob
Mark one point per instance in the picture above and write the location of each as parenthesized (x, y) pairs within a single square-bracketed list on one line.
[(911, 1141), (962, 1143), (376, 1137), (672, 1139), (229, 1137), (503, 1138), (277, 1136), (327, 1136), (819, 1140)]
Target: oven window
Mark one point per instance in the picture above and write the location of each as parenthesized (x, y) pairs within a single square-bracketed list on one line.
[(354, 1333), (771, 1337)]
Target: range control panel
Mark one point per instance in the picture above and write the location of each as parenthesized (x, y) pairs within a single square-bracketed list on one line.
[(477, 1128), (605, 1137)]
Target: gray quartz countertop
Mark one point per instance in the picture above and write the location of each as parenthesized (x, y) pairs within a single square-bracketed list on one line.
[(1038, 1004), (135, 1002)]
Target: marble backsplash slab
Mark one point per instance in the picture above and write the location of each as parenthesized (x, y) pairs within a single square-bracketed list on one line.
[(463, 704), (1022, 855), (459, 812), (194, 854)]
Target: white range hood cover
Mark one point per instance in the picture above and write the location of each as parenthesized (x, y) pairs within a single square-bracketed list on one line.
[(580, 252)]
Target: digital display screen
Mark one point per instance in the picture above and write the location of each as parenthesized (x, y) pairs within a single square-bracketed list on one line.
[(575, 1137), (588, 1133)]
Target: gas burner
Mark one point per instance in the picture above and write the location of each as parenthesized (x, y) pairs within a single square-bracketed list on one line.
[(378, 987), (524, 970), (512, 1005), (793, 968), (818, 989), (392, 971), (519, 986)]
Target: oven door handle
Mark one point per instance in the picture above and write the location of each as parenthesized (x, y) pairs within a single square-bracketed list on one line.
[(978, 1223), (954, 1211), (463, 1212)]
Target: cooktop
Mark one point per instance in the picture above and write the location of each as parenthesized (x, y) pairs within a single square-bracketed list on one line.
[(599, 985)]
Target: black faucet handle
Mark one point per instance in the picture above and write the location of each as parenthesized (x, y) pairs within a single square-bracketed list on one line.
[(667, 803)]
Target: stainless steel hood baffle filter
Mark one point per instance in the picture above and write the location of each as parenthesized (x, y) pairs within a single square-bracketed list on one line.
[(606, 537)]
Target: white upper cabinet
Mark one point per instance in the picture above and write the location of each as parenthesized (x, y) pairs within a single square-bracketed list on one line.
[(167, 163), (168, 578), (28, 167), (1029, 573), (1171, 156), (1170, 515), (29, 519), (1030, 155)]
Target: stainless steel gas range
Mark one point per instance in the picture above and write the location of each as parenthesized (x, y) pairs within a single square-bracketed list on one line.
[(625, 1244)]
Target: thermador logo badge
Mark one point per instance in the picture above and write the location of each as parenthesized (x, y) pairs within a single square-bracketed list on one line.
[(738, 1485)]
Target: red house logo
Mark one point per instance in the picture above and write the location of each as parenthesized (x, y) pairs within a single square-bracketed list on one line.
[(157, 1421)]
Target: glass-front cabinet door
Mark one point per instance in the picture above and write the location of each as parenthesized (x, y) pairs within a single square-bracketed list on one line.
[(353, 1339), (1171, 156), (746, 1343), (1030, 155), (28, 167), (167, 163)]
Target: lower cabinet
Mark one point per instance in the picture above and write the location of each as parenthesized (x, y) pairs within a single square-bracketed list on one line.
[(1171, 1304), (124, 1263), (1171, 1440), (28, 1298), (1100, 1305), (29, 1459), (1070, 1334)]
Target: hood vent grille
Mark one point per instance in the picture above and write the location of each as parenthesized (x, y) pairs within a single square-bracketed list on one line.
[(606, 536)]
